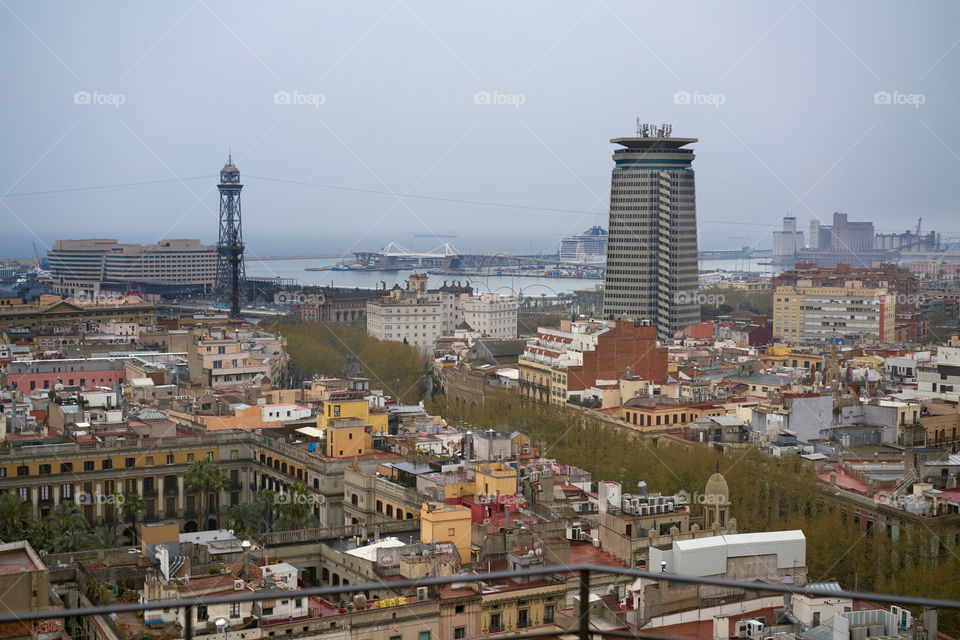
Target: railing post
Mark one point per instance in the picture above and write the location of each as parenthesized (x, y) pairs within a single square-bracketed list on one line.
[(188, 623), (584, 614)]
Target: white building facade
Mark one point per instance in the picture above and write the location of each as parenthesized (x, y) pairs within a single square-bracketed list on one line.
[(419, 316)]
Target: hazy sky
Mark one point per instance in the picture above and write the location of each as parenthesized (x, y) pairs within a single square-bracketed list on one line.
[(802, 107)]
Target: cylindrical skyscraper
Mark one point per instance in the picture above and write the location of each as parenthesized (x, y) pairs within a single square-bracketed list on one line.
[(652, 268)]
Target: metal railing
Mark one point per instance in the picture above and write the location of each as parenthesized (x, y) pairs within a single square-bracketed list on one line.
[(582, 629)]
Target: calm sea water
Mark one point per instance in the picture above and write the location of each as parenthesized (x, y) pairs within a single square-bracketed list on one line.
[(516, 285)]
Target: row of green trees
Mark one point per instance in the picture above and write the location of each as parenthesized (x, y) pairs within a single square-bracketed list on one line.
[(67, 529), (767, 494), (340, 350), (273, 511)]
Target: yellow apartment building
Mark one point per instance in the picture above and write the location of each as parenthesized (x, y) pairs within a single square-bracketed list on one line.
[(446, 523)]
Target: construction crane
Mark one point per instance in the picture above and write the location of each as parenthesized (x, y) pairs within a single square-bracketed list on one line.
[(37, 256)]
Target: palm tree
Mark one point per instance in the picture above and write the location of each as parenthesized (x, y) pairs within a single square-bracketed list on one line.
[(265, 502), (73, 540), (14, 517), (67, 517), (132, 506), (104, 537), (40, 535), (246, 518), (295, 510), (205, 477)]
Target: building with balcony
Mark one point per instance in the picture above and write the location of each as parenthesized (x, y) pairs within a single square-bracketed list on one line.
[(220, 361), (373, 499), (562, 364), (90, 473)]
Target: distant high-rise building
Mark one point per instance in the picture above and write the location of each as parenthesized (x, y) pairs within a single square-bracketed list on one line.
[(652, 244), (788, 242), (843, 242)]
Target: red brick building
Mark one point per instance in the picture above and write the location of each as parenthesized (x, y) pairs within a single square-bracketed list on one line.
[(625, 345), (911, 327)]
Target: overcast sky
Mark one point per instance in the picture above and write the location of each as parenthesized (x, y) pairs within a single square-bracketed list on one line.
[(800, 107)]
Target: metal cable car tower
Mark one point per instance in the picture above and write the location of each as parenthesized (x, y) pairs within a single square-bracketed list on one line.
[(231, 275)]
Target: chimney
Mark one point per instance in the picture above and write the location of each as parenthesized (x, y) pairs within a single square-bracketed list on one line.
[(506, 517), (833, 480), (929, 620)]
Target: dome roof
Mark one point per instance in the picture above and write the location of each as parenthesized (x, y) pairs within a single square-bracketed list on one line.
[(717, 488)]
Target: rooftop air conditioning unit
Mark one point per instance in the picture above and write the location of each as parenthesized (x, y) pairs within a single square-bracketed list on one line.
[(421, 594), (238, 585), (644, 510)]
